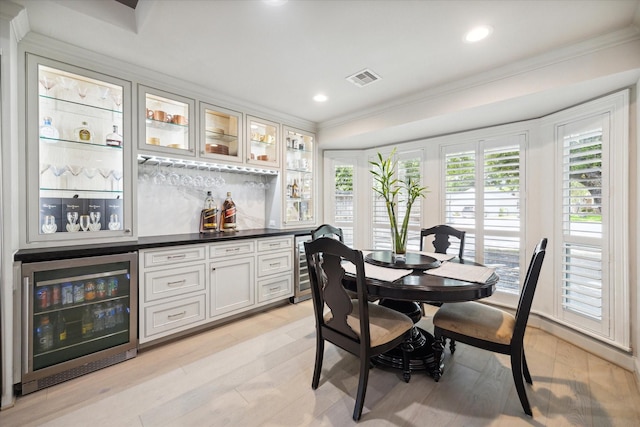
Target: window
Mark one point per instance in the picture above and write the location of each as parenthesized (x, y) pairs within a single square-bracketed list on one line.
[(343, 214), (591, 282), (408, 166), (483, 196)]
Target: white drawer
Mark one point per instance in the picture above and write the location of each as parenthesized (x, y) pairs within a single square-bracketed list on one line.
[(237, 247), (172, 282), (279, 262), (173, 255), (275, 244), (280, 286), (174, 316)]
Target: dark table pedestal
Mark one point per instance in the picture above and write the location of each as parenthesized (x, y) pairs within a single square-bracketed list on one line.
[(421, 358)]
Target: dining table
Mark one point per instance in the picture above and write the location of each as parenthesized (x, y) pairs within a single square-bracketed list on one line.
[(402, 283)]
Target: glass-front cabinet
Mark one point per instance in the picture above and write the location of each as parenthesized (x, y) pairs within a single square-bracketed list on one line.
[(263, 146), (78, 153), (299, 186), (221, 137), (167, 122)]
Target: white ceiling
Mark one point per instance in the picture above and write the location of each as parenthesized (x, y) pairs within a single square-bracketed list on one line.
[(278, 57)]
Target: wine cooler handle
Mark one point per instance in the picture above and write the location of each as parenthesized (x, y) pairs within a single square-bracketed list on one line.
[(25, 325)]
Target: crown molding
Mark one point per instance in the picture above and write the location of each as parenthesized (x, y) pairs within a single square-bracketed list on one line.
[(16, 15), (556, 56)]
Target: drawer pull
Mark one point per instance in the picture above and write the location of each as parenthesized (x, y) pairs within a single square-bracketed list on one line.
[(177, 315), (177, 282), (180, 256), (274, 244), (274, 289), (232, 249), (274, 264)]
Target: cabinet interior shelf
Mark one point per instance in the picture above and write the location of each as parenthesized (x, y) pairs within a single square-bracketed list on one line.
[(66, 101), (67, 143), (76, 190), (220, 137), (297, 150), (82, 342), (174, 127), (262, 143), (303, 171)]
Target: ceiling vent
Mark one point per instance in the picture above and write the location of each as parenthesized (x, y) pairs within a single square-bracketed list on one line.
[(363, 78)]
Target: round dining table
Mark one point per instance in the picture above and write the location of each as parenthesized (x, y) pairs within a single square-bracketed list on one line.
[(406, 293)]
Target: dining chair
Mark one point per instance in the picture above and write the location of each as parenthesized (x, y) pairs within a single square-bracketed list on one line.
[(327, 230), (442, 234), (492, 329), (355, 325)]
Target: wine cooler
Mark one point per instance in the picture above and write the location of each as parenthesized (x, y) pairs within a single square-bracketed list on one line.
[(79, 315)]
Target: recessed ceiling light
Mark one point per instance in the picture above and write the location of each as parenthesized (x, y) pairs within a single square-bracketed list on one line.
[(320, 98), (478, 33)]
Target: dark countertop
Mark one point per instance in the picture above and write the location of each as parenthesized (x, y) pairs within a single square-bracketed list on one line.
[(98, 249)]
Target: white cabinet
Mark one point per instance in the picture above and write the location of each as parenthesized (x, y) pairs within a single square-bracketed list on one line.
[(173, 290), (232, 285), (263, 142), (299, 194), (188, 286), (220, 134), (79, 150)]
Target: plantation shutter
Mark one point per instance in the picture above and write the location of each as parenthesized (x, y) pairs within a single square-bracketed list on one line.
[(584, 210), (343, 206)]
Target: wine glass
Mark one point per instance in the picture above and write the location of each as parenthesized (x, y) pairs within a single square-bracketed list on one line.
[(117, 99), (103, 92), (95, 221), (47, 82), (66, 83), (117, 176), (82, 91), (90, 172), (105, 173), (114, 224), (159, 177), (44, 167), (84, 222)]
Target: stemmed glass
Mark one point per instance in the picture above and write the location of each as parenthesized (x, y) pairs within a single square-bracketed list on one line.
[(84, 222), (72, 218), (105, 173), (66, 83), (74, 169), (82, 91), (114, 224), (47, 82), (95, 221), (117, 99), (117, 176), (103, 92)]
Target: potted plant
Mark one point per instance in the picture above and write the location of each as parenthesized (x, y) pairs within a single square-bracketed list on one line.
[(391, 189)]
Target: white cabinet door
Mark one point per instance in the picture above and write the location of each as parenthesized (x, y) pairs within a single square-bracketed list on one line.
[(232, 285)]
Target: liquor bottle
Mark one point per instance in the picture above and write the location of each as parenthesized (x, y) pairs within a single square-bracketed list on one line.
[(209, 215), (44, 334), (114, 138), (47, 130), (60, 336), (87, 323), (228, 217), (83, 133), (295, 192)]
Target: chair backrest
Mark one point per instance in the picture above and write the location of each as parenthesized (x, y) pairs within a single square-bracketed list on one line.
[(529, 289), (441, 242), (324, 258), (327, 230)]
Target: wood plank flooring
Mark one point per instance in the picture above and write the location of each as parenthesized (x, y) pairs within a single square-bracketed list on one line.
[(257, 372)]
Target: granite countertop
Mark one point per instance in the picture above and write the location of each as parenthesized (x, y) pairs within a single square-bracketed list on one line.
[(98, 249)]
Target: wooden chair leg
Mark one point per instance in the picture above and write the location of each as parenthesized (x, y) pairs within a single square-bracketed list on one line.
[(525, 368), (318, 367), (452, 345), (362, 388), (516, 369)]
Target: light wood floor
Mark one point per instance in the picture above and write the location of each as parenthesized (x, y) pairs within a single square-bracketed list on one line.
[(257, 372)]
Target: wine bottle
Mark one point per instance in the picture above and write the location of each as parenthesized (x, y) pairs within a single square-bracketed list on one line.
[(228, 214)]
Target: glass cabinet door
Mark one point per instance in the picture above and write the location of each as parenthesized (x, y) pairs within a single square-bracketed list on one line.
[(79, 135), (299, 192), (167, 122), (263, 147), (221, 136)]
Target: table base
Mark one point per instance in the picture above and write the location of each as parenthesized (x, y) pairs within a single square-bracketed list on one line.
[(422, 357)]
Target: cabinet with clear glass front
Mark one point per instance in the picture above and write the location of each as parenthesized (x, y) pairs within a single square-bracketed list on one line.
[(168, 122), (299, 185), (263, 147), (221, 138), (78, 153)]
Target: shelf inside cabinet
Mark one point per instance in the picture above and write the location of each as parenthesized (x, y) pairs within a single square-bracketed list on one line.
[(217, 136), (173, 127), (46, 100), (67, 143)]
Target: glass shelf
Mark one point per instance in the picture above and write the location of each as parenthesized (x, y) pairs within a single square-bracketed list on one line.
[(67, 143), (80, 104), (173, 127)]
